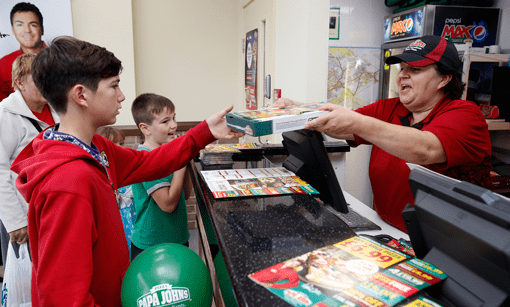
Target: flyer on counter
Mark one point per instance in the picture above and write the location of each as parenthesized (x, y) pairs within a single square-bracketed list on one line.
[(255, 182), (228, 148), (423, 302), (219, 156), (354, 272)]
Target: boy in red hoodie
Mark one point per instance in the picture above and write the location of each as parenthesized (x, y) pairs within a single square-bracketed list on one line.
[(68, 175)]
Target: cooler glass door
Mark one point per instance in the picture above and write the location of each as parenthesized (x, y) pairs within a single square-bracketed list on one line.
[(388, 85)]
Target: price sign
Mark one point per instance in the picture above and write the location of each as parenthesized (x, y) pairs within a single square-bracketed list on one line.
[(372, 251)]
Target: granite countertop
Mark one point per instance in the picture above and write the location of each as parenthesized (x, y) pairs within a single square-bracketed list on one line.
[(257, 232)]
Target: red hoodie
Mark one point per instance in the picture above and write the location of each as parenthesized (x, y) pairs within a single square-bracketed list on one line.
[(77, 242)]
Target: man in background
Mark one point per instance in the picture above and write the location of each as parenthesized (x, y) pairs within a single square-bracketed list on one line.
[(27, 27)]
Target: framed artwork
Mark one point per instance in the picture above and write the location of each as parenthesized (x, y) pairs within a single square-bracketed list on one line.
[(250, 69), (334, 23)]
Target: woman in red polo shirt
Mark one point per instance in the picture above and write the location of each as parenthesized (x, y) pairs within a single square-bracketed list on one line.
[(427, 124)]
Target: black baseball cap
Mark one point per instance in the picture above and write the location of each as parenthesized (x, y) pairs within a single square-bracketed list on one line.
[(428, 50)]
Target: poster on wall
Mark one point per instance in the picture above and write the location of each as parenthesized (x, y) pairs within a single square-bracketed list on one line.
[(26, 34), (353, 76), (250, 68), (57, 21)]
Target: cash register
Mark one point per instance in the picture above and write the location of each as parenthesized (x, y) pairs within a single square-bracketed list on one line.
[(464, 230)]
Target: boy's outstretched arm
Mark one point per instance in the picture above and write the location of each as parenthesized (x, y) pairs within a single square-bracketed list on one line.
[(167, 198), (218, 125)]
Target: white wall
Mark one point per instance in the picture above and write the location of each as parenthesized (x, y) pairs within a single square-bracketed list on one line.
[(109, 24), (361, 25), (185, 50), (299, 55), (301, 49), (260, 15), (188, 51)]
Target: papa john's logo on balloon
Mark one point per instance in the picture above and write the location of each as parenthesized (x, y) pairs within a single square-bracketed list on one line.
[(164, 295)]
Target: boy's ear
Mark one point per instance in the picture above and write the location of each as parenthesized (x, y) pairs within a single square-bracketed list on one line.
[(79, 95), (144, 128)]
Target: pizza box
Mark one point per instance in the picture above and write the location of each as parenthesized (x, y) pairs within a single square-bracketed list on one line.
[(267, 121)]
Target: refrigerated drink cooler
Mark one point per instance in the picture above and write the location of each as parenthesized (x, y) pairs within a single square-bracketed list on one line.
[(459, 24)]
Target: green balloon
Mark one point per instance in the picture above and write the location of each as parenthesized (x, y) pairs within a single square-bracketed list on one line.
[(167, 274)]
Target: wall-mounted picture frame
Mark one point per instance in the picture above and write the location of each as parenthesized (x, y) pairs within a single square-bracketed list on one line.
[(57, 21), (334, 23), (33, 27)]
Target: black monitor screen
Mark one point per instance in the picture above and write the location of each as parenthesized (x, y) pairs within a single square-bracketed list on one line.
[(309, 160), (464, 230)]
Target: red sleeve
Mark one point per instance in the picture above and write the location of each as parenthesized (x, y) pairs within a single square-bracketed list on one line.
[(6, 74), (65, 281), (128, 166), (4, 90), (463, 132), (381, 109)]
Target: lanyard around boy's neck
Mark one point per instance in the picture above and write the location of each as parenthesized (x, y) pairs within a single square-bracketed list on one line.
[(54, 134)]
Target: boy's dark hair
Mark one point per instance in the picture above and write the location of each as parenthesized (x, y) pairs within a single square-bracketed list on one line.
[(27, 7), (147, 105), (68, 61)]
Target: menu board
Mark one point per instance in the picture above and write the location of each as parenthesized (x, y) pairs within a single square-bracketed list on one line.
[(255, 182), (354, 272)]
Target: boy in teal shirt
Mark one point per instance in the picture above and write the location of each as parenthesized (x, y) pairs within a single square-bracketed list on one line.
[(160, 205)]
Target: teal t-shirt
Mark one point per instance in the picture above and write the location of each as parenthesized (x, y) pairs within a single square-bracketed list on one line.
[(152, 225)]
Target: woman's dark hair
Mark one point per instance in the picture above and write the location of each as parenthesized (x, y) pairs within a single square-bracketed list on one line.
[(454, 88)]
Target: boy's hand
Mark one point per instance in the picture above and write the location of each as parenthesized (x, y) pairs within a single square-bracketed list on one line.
[(218, 126)]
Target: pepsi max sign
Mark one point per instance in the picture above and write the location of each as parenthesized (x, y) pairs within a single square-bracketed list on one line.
[(404, 26), (455, 23), (461, 32), (460, 24)]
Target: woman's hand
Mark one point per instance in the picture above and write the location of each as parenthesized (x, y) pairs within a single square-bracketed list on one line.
[(283, 102), (338, 121)]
